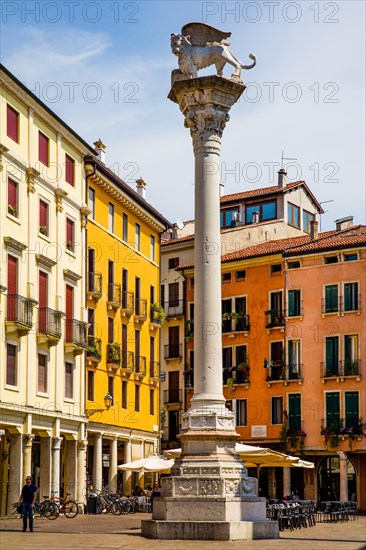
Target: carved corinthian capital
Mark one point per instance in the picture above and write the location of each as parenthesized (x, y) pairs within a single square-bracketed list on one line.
[(206, 123)]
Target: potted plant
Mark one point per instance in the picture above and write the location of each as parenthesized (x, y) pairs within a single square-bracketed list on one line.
[(331, 435), (230, 384), (69, 245), (43, 230), (113, 353), (189, 329), (158, 313), (12, 209), (350, 367), (93, 351)]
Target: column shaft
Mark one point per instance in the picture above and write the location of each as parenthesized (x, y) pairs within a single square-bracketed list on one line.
[(45, 467), (286, 482), (71, 470), (97, 466), (15, 470), (81, 470), (112, 481), (343, 477), (56, 471)]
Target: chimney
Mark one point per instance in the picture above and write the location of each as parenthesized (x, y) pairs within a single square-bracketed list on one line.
[(314, 230), (255, 217), (281, 177), (100, 147), (344, 223), (141, 187)]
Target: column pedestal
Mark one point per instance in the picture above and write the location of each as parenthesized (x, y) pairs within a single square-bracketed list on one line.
[(209, 495)]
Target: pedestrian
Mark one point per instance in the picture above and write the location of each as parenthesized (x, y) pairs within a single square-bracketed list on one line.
[(27, 498)]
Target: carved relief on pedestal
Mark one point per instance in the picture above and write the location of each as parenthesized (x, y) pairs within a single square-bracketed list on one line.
[(191, 471), (210, 471), (184, 487), (232, 487), (249, 486), (210, 487)]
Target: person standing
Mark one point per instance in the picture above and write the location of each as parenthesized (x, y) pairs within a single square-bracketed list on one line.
[(27, 498)]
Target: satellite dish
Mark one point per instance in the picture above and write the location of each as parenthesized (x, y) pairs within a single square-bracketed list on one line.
[(179, 224)]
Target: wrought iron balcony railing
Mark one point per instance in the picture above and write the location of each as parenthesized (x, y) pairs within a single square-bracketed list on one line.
[(19, 310), (114, 295), (331, 369), (128, 302), (173, 351), (155, 370), (114, 354), (174, 308), (140, 365), (275, 318), (141, 308), (351, 367), (49, 322), (76, 333), (95, 280), (94, 348), (173, 395), (128, 360)]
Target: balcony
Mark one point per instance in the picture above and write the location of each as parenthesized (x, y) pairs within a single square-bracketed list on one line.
[(174, 308), (113, 356), (235, 322), (140, 309), (94, 290), (189, 330), (155, 370), (348, 368), (114, 296), (172, 396), (128, 303), (94, 351), (236, 375), (172, 351), (75, 337), (157, 316), (275, 319), (336, 430), (331, 306), (140, 366), (330, 369), (352, 305), (127, 362), (19, 313), (351, 367), (49, 326)]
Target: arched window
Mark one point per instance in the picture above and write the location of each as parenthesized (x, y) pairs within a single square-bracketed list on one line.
[(328, 479)]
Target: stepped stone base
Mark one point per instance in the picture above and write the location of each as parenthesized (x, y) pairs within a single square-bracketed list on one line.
[(209, 530)]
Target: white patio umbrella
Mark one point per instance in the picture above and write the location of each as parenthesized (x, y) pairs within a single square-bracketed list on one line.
[(150, 464)]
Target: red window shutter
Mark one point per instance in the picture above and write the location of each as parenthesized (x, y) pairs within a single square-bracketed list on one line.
[(69, 169), (69, 302), (12, 123), (12, 275), (43, 215), (43, 290), (43, 148), (70, 231), (13, 196), (11, 365)]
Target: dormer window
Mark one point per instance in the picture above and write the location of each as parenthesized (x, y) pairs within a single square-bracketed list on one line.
[(265, 210), (229, 217)]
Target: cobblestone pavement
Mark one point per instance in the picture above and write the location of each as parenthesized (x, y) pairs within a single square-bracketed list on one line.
[(114, 532)]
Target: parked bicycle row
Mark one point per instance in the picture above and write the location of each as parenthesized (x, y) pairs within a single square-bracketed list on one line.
[(107, 501), (51, 508)]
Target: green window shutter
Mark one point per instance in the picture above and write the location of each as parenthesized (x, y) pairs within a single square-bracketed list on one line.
[(351, 399), (291, 303), (331, 298), (331, 355), (332, 408), (351, 296), (294, 413)]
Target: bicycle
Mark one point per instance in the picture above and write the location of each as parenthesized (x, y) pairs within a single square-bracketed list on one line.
[(65, 506), (46, 509)]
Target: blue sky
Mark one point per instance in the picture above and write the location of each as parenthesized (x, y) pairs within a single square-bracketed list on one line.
[(104, 67)]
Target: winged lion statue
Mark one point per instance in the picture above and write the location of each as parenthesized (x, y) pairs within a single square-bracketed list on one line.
[(200, 45)]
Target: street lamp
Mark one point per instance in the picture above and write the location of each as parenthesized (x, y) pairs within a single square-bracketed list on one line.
[(108, 400)]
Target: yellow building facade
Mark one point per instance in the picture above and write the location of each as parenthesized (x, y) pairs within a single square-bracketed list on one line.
[(123, 353)]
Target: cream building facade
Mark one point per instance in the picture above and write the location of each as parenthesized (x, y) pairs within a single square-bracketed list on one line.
[(42, 314)]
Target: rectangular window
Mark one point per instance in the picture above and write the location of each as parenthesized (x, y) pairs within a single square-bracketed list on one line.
[(293, 215), (125, 228), (331, 259), (91, 203), (307, 218), (227, 358), (332, 410), (351, 297), (260, 212), (152, 402), (226, 278), (331, 356), (173, 263), (42, 373), (293, 265), (110, 217), (294, 411), (110, 330), (191, 283), (173, 294), (293, 359), (351, 360), (275, 269), (351, 406), (226, 311), (350, 257), (69, 382), (124, 394), (13, 208), (111, 387), (70, 235), (241, 412), (43, 218), (11, 365), (12, 123), (229, 217), (137, 398), (277, 410), (294, 303), (90, 385), (174, 345), (152, 248), (43, 148), (69, 170), (240, 275), (331, 299), (137, 237)]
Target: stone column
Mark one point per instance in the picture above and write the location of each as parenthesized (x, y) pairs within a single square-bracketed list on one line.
[(71, 469), (27, 454), (343, 477), (15, 470), (140, 475), (112, 480), (272, 484), (286, 482), (97, 466), (56, 452), (81, 471), (45, 467), (208, 481), (127, 476)]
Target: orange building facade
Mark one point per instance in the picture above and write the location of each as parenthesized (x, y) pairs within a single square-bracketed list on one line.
[(293, 343)]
